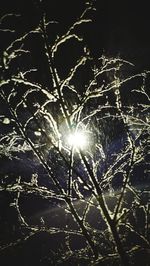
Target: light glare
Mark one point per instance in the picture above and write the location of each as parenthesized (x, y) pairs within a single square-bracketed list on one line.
[(77, 140)]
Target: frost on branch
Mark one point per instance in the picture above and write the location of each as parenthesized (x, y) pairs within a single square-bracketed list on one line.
[(93, 194)]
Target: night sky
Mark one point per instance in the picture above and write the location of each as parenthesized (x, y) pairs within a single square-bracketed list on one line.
[(119, 29)]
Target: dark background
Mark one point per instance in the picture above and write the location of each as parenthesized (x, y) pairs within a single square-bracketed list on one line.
[(119, 27)]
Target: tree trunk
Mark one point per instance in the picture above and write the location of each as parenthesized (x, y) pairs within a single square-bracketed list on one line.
[(119, 246), (111, 223), (83, 228)]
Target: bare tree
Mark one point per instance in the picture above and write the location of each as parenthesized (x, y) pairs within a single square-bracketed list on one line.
[(90, 139)]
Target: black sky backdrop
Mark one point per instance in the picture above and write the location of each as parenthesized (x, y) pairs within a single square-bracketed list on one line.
[(119, 27)]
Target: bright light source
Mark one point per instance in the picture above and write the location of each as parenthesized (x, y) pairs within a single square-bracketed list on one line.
[(77, 140)]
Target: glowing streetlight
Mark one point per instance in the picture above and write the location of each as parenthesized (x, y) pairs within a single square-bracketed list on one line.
[(77, 140)]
